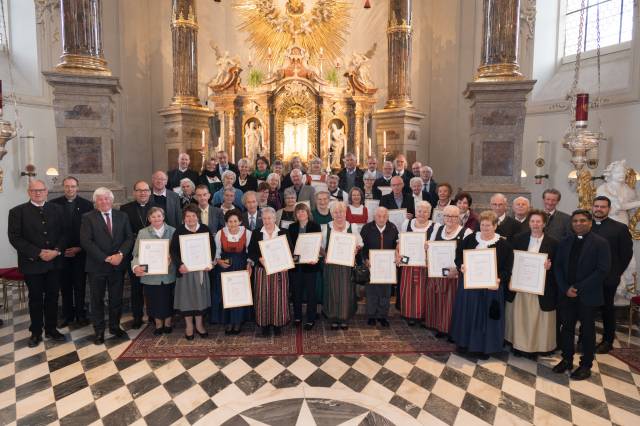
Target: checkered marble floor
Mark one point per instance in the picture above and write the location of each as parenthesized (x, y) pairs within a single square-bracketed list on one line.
[(77, 383)]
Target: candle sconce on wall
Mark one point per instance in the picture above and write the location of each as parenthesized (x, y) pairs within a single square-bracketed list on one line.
[(30, 167), (540, 162)]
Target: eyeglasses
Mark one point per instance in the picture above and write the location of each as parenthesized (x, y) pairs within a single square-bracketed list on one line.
[(38, 191), (142, 190), (448, 216)]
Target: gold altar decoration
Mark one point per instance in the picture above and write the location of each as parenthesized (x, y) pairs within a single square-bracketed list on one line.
[(272, 30), (586, 189), (631, 179)]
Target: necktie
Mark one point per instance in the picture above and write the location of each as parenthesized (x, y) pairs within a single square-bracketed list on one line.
[(252, 223), (109, 227)]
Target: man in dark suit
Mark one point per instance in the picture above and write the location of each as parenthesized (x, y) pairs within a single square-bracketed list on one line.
[(37, 231), (105, 234), (183, 171), (209, 215), (581, 265), (400, 169), (303, 192), (351, 175), (418, 193), (294, 164), (384, 180), (398, 198), (224, 165), (559, 224), (621, 246), (73, 279), (507, 226), (167, 200), (520, 207), (137, 211), (251, 217), (428, 183)]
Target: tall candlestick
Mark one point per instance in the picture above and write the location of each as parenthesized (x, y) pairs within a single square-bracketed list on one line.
[(203, 141), (369, 147), (384, 140), (30, 148), (357, 154), (233, 153)]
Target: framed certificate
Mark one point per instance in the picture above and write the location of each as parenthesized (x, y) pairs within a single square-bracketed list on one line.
[(441, 255), (319, 186), (397, 217), (481, 269), (276, 255), (528, 274), (308, 247), (384, 190), (371, 206), (341, 249), (195, 251), (236, 289), (412, 246), (155, 254), (382, 266)]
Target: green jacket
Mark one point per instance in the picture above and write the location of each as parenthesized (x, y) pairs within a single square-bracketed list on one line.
[(148, 234)]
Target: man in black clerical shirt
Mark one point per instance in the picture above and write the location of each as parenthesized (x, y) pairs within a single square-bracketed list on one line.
[(581, 265), (73, 279), (183, 171), (137, 212), (621, 246)]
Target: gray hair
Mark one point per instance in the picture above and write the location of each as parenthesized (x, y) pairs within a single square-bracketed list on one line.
[(350, 155), (190, 182), (248, 194), (416, 179), (231, 190), (295, 171), (274, 176), (268, 211), (182, 154), (424, 204), (243, 161), (101, 192), (499, 195), (521, 198), (369, 175), (454, 210), (229, 173), (333, 177), (337, 205), (322, 191), (290, 192), (427, 168)]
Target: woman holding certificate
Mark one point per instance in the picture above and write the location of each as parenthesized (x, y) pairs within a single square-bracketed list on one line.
[(413, 280), (193, 292), (356, 211), (442, 283), (271, 292), (477, 324), (158, 287), (285, 216), (531, 316), (305, 274), (231, 242), (339, 302)]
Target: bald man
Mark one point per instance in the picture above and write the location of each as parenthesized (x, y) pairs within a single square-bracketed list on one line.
[(521, 207), (507, 226), (182, 171)]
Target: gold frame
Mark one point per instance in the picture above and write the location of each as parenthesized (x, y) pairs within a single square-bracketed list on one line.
[(158, 241), (224, 276), (285, 242), (544, 274), (381, 282), (465, 254), (198, 235)]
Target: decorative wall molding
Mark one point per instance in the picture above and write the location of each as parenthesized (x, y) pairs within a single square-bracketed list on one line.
[(528, 18)]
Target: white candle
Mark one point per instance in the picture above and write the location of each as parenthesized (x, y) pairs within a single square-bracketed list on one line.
[(203, 140), (369, 147), (357, 154), (233, 153), (30, 159), (384, 140)]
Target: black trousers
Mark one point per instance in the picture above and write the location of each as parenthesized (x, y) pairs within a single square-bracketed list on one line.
[(609, 312), (43, 300), (304, 282), (571, 311), (137, 293), (100, 283), (73, 284)]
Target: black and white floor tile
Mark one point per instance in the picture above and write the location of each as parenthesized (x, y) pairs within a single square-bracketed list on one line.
[(79, 383)]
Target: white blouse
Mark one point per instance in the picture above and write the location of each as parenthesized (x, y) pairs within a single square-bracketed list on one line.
[(534, 244), (325, 240), (230, 237)]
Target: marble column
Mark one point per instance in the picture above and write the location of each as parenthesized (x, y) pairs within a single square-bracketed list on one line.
[(499, 55), (82, 38), (184, 33), (399, 54)]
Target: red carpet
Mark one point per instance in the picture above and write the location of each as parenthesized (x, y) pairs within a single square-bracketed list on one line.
[(630, 356)]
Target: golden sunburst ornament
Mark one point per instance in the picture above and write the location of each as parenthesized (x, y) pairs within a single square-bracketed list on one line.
[(272, 29)]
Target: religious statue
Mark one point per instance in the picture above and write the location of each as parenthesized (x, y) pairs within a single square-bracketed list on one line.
[(225, 63), (338, 142), (252, 140), (359, 66)]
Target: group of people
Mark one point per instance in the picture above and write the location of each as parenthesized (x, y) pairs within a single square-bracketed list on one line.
[(60, 241)]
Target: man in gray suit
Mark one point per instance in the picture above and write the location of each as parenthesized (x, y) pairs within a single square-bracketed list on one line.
[(559, 223), (209, 215), (304, 192), (169, 201)]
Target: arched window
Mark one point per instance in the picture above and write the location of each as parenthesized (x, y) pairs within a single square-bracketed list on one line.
[(616, 25)]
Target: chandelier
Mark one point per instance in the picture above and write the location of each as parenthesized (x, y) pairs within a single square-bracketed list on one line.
[(579, 140)]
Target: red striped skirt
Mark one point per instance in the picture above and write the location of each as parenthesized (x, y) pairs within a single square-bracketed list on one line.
[(413, 292), (441, 293), (270, 295)]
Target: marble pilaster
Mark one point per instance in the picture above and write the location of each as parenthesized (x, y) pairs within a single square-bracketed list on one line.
[(402, 127), (183, 126)]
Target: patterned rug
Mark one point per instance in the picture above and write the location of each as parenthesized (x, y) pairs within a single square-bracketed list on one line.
[(358, 339), (630, 356)]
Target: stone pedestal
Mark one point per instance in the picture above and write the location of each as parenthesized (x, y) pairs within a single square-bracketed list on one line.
[(402, 127), (498, 111), (87, 131), (183, 126)]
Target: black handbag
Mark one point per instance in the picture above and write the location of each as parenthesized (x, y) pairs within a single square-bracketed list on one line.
[(360, 273)]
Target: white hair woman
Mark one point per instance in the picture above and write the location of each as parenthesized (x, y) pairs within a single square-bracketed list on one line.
[(413, 279), (274, 200), (339, 291), (285, 216), (228, 181), (271, 296), (441, 291), (369, 179), (246, 181), (187, 189)]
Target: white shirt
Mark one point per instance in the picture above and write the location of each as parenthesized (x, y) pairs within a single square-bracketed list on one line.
[(501, 218), (159, 232), (230, 237), (104, 217), (163, 193), (534, 244), (265, 234), (482, 244), (38, 205), (356, 210)]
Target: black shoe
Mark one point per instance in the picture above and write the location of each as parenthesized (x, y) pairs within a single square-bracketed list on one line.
[(266, 332), (440, 334), (117, 332), (236, 329), (167, 329), (482, 356), (383, 322), (335, 326), (34, 340), (186, 336), (203, 335), (308, 325), (581, 373), (277, 331), (344, 326), (411, 323), (297, 321), (137, 323), (1, 322), (65, 323), (562, 366), (99, 338), (54, 335), (83, 322), (371, 321), (228, 329), (604, 347)]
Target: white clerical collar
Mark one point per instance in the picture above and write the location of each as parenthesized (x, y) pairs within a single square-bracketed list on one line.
[(183, 170), (38, 205)]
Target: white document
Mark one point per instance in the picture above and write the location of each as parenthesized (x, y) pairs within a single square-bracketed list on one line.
[(412, 246), (276, 254), (371, 206), (236, 289), (481, 269), (529, 274), (319, 186), (384, 190), (341, 249), (285, 224), (382, 266), (155, 254), (397, 217), (441, 255), (308, 247), (195, 251)]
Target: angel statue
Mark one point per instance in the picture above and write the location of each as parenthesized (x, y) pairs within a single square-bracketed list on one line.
[(359, 66), (338, 141), (224, 63), (252, 141)]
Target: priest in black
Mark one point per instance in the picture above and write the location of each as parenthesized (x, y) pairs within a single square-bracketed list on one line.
[(621, 246), (581, 265), (181, 172)]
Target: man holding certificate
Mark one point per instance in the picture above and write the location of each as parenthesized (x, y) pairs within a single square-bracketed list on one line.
[(477, 325), (398, 198), (379, 235)]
